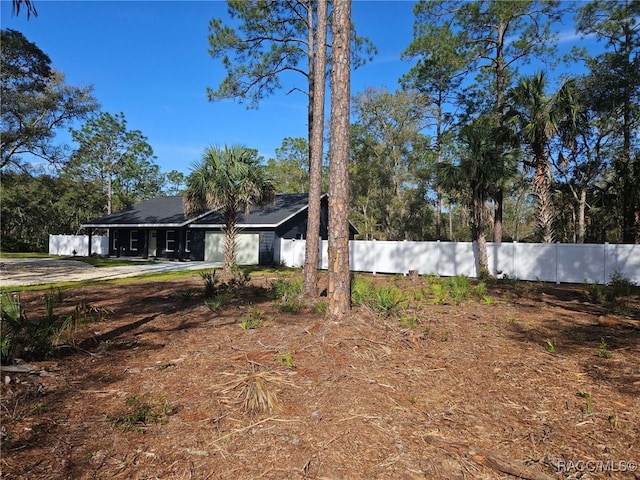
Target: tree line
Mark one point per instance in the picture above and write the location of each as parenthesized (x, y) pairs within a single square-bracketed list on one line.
[(468, 148)]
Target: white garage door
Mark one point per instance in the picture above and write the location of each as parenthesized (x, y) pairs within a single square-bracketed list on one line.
[(247, 248)]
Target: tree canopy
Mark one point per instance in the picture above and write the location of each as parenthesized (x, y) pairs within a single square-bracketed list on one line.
[(35, 104)]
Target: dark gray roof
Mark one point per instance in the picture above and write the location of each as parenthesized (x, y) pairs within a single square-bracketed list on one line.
[(158, 211), (169, 212), (284, 207)]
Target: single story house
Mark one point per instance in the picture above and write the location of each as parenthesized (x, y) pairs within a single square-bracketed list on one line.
[(159, 228)]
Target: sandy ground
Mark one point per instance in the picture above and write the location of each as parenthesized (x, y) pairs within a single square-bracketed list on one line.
[(36, 271), (434, 391)]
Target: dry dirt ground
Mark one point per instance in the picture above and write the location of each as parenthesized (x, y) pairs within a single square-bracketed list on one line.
[(469, 391)]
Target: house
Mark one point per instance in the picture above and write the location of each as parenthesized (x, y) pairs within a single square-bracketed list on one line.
[(159, 228)]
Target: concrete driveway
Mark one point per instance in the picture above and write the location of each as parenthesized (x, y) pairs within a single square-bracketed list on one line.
[(37, 271)]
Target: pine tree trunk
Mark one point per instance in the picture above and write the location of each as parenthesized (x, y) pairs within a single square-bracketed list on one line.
[(316, 140), (501, 83), (339, 291)]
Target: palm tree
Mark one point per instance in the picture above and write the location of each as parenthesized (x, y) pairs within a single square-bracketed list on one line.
[(481, 171), (539, 118), (229, 179)]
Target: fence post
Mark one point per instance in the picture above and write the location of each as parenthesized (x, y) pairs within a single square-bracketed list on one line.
[(514, 261), (375, 257), (557, 251), (404, 258), (605, 247), (293, 252)]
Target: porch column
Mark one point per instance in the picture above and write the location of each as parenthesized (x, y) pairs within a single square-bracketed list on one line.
[(145, 246), (181, 234)]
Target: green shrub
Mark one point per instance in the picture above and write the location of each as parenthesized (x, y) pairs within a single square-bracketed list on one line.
[(22, 337), (459, 288), (216, 302), (454, 290), (619, 286), (321, 307), (252, 320), (283, 288), (387, 299), (439, 293), (210, 283), (362, 290), (290, 305)]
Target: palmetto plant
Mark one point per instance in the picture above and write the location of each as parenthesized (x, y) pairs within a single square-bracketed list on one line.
[(540, 117), (479, 174), (231, 180)]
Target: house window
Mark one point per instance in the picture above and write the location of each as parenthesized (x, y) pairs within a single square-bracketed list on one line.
[(115, 240), (187, 241), (171, 240), (133, 241)]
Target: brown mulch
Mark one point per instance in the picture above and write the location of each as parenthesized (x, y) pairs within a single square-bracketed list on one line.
[(470, 392)]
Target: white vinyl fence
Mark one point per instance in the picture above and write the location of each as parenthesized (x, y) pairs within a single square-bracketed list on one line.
[(555, 262), (78, 245)]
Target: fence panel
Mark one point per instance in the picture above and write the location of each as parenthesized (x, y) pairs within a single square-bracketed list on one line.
[(501, 259), (624, 259), (566, 263), (456, 258), (535, 261), (78, 245), (578, 263)]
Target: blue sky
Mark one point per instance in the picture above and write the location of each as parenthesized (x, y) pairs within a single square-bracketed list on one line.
[(149, 60)]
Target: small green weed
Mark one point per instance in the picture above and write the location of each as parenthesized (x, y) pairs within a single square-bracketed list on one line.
[(320, 307), (480, 290), (216, 302), (290, 305), (409, 322), (588, 401), (551, 346), (252, 320), (139, 412), (287, 360), (596, 293), (439, 293), (603, 351)]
